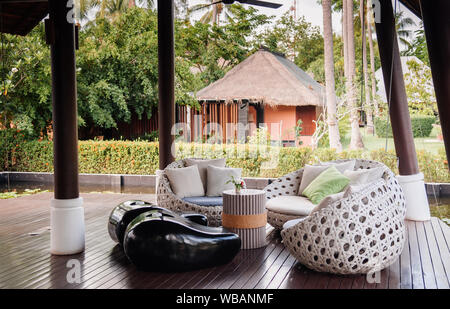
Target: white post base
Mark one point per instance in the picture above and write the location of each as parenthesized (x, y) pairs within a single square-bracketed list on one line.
[(67, 226), (417, 207)]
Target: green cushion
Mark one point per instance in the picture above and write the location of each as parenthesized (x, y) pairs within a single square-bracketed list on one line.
[(329, 182)]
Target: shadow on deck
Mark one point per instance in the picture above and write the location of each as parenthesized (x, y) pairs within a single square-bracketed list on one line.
[(25, 261)]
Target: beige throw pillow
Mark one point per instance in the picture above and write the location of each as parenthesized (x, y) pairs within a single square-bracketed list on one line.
[(310, 172), (203, 167), (364, 176), (218, 177), (185, 182)]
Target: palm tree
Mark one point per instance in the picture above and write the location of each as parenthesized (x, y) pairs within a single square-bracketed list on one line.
[(368, 105), (113, 8), (333, 126), (213, 12), (402, 32), (148, 3), (84, 6), (372, 64), (356, 138)]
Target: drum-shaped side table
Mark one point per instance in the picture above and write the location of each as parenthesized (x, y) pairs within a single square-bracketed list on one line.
[(245, 214)]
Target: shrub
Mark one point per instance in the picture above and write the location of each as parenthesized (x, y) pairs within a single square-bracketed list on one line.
[(125, 157), (421, 126), (11, 141)]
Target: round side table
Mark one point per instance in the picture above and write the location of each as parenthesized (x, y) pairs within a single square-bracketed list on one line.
[(245, 214)]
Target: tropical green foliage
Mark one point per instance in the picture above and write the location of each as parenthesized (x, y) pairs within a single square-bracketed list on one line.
[(418, 47), (297, 39), (117, 61), (25, 87), (214, 49), (117, 67), (420, 89), (118, 70)]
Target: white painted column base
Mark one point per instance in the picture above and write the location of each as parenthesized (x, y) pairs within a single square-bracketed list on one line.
[(67, 226), (417, 207)]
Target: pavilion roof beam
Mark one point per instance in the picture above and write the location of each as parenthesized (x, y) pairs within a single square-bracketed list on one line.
[(166, 80)]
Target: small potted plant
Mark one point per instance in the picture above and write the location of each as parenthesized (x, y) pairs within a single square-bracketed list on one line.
[(238, 184)]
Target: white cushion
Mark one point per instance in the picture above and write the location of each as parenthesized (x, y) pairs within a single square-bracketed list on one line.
[(364, 176), (290, 205), (310, 172), (217, 178), (358, 177), (185, 182), (203, 167), (291, 223)]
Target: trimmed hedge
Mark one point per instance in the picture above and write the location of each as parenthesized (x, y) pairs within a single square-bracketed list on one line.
[(421, 126), (124, 157)]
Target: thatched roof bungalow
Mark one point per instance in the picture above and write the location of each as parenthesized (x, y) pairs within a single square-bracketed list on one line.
[(265, 88)]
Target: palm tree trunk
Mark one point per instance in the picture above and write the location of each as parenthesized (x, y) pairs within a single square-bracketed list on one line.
[(103, 8), (333, 127), (368, 103), (372, 65), (215, 14), (344, 39), (356, 138)]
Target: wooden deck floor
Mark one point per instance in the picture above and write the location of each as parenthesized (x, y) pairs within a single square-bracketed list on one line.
[(25, 261)]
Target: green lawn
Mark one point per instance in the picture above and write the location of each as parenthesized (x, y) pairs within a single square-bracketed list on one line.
[(372, 142)]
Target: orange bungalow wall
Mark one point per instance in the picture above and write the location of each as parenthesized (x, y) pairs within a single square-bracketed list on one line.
[(280, 121), (287, 117)]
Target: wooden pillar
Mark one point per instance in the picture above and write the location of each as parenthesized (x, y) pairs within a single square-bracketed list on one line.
[(399, 112), (61, 36), (235, 121), (204, 121), (166, 81), (225, 109), (437, 31), (67, 215), (410, 179)]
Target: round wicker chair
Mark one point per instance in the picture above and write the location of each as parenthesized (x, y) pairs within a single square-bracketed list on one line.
[(362, 233), (167, 199)]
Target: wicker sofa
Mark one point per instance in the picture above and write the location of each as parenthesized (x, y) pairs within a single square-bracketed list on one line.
[(361, 233), (167, 199)]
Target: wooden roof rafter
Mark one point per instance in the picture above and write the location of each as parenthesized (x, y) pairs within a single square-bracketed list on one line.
[(21, 16)]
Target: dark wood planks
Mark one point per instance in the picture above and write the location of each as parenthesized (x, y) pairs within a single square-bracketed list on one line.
[(25, 261)]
